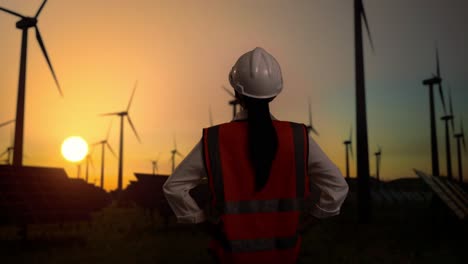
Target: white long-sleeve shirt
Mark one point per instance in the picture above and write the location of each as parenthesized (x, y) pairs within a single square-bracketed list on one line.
[(328, 186)]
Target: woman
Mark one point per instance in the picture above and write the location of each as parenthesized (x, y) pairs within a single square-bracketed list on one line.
[(262, 173)]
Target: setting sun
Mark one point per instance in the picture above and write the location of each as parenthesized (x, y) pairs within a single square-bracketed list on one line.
[(74, 149)]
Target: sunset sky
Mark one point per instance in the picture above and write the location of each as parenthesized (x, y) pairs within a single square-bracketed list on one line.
[(182, 51)]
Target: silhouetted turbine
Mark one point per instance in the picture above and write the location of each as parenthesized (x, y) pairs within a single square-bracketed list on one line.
[(122, 115), (173, 153), (155, 164), (435, 80), (103, 144), (310, 127), (89, 160), (24, 24), (448, 151), (364, 198), (377, 162), (460, 137), (233, 102), (9, 150), (348, 148)]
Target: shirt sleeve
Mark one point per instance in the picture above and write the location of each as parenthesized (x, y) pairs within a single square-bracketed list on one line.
[(327, 185), (176, 189)]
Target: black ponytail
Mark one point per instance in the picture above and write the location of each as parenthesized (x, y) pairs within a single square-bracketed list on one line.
[(263, 140)]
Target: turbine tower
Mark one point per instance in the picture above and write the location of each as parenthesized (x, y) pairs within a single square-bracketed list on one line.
[(103, 144), (460, 137), (378, 155), (431, 82), (310, 127), (122, 115), (446, 118), (364, 198), (24, 24), (234, 102), (348, 148)]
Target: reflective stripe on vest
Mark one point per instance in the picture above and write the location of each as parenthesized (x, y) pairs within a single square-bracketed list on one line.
[(221, 206)]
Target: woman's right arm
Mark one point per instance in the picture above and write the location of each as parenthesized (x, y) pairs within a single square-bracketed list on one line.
[(327, 185)]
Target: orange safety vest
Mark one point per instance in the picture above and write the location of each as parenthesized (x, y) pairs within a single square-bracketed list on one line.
[(256, 227)]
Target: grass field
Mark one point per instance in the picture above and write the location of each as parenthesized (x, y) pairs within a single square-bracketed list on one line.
[(127, 235)]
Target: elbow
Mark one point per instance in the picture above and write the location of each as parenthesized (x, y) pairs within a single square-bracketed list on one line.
[(167, 191)]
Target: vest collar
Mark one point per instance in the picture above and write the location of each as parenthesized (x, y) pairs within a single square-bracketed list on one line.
[(243, 114)]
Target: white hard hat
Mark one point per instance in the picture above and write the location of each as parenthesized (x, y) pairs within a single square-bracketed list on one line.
[(257, 74)]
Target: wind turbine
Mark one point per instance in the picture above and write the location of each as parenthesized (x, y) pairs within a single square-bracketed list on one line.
[(103, 144), (173, 153), (460, 137), (233, 102), (310, 127), (348, 148), (435, 80), (378, 155), (24, 24), (122, 115), (155, 164), (447, 118), (364, 198), (9, 149), (8, 153), (89, 160)]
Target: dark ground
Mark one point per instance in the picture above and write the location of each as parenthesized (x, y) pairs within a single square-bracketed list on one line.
[(127, 235)]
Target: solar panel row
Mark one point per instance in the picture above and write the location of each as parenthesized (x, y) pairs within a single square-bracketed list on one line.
[(35, 195), (449, 192)]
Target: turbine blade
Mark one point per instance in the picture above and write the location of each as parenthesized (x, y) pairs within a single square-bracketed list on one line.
[(175, 143), (11, 12), (179, 154), (351, 149), (441, 92), (229, 91), (44, 51), (5, 152), (110, 148), (131, 98), (363, 13), (314, 131), (437, 61), (108, 130), (7, 122), (40, 9), (133, 128), (351, 134), (108, 114), (440, 84)]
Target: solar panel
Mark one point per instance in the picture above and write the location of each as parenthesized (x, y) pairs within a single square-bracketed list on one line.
[(35, 195), (441, 188)]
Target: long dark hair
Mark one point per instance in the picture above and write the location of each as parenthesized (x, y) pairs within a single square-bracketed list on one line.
[(263, 140)]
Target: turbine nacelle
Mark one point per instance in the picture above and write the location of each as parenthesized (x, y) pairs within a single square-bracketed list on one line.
[(432, 81), (26, 22)]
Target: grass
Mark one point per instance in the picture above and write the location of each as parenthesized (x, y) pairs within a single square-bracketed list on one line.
[(127, 235)]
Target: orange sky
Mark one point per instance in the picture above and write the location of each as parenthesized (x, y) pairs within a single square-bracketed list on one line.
[(181, 52)]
